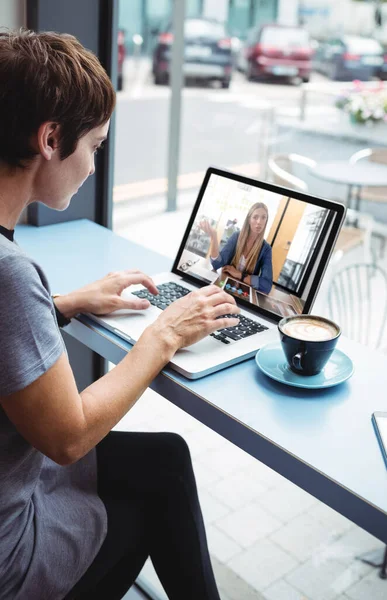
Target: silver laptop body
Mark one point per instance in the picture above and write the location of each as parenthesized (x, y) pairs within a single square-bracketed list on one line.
[(314, 235)]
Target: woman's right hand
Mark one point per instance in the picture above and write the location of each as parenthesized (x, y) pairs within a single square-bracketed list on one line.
[(206, 227), (193, 317)]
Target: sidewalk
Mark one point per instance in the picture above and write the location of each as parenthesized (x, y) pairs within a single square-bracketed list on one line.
[(269, 540)]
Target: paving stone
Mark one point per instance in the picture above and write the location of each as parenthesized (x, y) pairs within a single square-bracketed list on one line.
[(228, 459), (235, 587), (324, 579), (282, 590), (248, 524), (262, 564), (237, 490), (286, 502), (264, 475), (212, 508), (303, 537), (371, 587), (353, 543), (194, 440), (204, 476), (220, 545), (330, 518)]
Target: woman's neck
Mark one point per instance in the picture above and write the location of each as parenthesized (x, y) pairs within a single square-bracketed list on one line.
[(251, 239)]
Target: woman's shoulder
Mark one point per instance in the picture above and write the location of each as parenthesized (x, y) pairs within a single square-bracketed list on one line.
[(19, 272), (265, 247), (232, 240)]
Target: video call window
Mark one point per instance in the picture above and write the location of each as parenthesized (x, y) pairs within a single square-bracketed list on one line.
[(256, 244)]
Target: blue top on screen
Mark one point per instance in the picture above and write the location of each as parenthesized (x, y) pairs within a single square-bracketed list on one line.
[(262, 278)]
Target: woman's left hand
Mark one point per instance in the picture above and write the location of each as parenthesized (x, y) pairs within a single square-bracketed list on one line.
[(232, 271), (104, 296)]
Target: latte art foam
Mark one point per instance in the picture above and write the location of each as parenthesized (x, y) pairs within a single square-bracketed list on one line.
[(311, 330)]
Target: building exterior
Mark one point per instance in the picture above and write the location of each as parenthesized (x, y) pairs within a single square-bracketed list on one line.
[(324, 18), (145, 16)]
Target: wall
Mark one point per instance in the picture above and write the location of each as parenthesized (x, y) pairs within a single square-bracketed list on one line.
[(12, 13), (216, 9), (326, 17), (288, 12)]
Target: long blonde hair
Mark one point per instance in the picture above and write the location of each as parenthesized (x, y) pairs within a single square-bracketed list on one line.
[(252, 257)]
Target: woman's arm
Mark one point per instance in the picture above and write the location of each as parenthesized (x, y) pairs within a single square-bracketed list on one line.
[(225, 256), (65, 425), (214, 250), (103, 296)]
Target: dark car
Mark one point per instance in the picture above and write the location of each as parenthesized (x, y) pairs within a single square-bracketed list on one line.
[(274, 50), (382, 70), (349, 57), (207, 52), (121, 58)]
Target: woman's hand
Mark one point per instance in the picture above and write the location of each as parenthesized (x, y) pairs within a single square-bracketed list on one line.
[(232, 271), (193, 317), (206, 227), (104, 296)]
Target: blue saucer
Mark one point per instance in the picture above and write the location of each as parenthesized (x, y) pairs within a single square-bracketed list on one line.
[(271, 360)]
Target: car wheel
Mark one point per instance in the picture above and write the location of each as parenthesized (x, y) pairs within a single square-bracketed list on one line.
[(160, 78), (334, 73), (119, 82), (225, 83), (249, 72), (306, 79)]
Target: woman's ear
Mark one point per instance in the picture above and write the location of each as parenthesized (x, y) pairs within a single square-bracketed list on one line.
[(47, 139)]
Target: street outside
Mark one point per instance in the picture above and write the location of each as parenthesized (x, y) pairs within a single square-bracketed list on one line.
[(219, 127)]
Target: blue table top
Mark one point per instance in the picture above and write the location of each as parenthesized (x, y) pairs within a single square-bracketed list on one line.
[(329, 430)]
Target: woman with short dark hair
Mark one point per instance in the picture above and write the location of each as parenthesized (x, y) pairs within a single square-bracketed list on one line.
[(81, 507)]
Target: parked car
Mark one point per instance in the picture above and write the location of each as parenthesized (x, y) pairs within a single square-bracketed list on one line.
[(207, 52), (348, 57), (240, 58), (121, 58), (275, 50), (381, 71)]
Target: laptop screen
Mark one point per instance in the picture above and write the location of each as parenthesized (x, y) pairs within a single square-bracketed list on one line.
[(266, 245)]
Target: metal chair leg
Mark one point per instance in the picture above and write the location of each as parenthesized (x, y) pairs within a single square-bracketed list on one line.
[(383, 570)]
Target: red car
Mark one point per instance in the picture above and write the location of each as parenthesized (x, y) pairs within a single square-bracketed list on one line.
[(278, 51)]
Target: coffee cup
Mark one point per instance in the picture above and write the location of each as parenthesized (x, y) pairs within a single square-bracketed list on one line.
[(308, 342)]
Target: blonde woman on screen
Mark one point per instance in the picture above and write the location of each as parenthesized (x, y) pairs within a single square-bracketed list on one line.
[(246, 256)]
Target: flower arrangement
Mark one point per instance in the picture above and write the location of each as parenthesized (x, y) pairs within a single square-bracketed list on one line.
[(364, 105)]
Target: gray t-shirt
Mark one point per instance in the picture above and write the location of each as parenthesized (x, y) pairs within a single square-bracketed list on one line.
[(52, 522)]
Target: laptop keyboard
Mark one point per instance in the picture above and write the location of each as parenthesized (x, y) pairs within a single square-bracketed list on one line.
[(169, 292)]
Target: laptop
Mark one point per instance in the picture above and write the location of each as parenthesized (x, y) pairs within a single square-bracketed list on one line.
[(301, 231)]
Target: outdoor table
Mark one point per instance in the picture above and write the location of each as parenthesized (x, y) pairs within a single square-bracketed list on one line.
[(321, 440), (356, 176)]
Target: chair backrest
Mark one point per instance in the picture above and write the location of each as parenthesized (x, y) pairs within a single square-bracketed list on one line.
[(378, 155), (281, 171), (357, 301)]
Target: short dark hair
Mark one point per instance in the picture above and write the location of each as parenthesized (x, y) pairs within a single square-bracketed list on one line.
[(48, 77)]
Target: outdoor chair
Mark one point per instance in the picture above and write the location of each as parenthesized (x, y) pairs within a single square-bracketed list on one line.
[(374, 194), (357, 301), (378, 155), (281, 169)]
